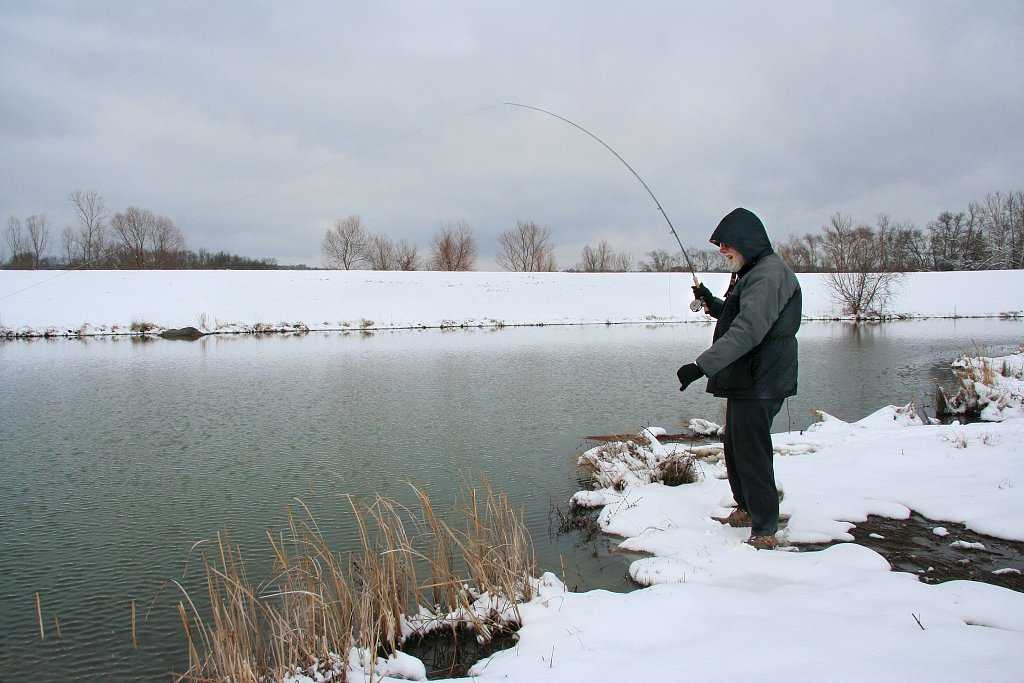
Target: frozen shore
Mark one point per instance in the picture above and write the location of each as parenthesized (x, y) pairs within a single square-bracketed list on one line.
[(105, 302), (716, 609)]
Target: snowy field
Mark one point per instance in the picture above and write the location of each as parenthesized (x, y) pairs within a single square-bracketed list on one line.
[(716, 609), (98, 302)]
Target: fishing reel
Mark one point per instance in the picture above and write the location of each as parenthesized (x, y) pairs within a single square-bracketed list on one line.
[(696, 305)]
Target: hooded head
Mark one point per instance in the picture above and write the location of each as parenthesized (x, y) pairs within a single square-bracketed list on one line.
[(744, 232)]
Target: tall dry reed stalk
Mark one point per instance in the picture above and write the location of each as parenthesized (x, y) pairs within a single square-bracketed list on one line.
[(317, 605), (39, 617)]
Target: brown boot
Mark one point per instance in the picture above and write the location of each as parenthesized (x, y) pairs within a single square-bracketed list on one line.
[(763, 542), (738, 518)]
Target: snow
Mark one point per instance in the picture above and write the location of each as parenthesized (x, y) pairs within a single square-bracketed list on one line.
[(717, 609), (992, 387), (967, 545), (98, 302), (940, 531), (361, 666)]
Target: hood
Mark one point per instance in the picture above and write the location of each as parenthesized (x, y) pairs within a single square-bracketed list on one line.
[(744, 232)]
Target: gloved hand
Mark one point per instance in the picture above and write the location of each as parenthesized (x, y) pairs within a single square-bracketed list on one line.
[(688, 374), (702, 293)]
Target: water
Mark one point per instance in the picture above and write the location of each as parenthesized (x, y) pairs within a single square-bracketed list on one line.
[(118, 455)]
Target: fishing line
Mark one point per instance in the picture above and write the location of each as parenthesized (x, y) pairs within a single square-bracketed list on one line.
[(67, 271), (696, 304)]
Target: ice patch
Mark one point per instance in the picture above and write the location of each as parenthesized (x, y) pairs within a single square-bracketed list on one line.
[(967, 545)]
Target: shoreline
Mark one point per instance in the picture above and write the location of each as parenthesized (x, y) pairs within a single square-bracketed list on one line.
[(302, 329), (94, 303), (704, 594)]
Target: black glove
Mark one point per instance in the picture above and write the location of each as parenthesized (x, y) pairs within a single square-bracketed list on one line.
[(688, 374), (702, 293)]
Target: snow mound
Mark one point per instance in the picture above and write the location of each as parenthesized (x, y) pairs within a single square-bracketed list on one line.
[(991, 388), (704, 427)]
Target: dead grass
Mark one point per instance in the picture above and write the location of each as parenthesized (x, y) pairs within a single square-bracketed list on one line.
[(677, 469), (966, 400), (142, 326), (318, 604)]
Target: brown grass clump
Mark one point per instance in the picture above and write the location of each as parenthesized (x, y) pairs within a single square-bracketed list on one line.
[(317, 605), (966, 400), (677, 469)]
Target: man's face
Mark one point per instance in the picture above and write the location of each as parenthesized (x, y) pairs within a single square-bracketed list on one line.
[(733, 258)]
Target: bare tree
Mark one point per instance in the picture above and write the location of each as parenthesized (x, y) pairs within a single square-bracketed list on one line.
[(453, 247), (344, 245), (168, 244), (661, 262), (838, 243), (380, 253), (707, 261), (526, 248), (1002, 219), (406, 256), (604, 259), (15, 238), (862, 295), (858, 280), (92, 215), (69, 244), (795, 253), (38, 237), (134, 231), (623, 262), (597, 260), (946, 235)]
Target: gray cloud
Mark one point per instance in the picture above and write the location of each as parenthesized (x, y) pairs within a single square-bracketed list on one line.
[(254, 126)]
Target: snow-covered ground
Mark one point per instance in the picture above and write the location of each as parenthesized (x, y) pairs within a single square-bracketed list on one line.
[(104, 301), (716, 609)]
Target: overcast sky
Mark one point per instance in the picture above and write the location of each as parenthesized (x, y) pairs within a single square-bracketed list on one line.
[(254, 125)]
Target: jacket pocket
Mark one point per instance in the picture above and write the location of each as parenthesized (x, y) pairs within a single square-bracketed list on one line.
[(740, 374)]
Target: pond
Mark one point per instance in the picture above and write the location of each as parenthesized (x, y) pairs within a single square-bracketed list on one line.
[(118, 455)]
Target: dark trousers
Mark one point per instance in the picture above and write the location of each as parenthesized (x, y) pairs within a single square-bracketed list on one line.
[(748, 459)]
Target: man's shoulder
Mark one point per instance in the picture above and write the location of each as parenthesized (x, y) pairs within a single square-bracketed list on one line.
[(772, 265)]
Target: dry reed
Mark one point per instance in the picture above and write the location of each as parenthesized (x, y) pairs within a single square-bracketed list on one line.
[(39, 617), (317, 607), (135, 640)]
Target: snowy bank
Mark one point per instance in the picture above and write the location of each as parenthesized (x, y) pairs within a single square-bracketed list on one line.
[(992, 388), (100, 302), (716, 609)]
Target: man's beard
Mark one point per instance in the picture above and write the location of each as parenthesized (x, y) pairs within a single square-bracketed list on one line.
[(736, 263)]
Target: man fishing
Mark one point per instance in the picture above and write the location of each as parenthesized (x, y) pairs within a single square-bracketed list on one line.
[(752, 363)]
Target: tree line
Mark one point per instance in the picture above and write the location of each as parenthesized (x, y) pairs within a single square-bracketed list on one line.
[(987, 235), (135, 238), (527, 247)]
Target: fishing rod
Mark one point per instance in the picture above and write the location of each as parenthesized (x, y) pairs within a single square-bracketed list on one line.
[(696, 304)]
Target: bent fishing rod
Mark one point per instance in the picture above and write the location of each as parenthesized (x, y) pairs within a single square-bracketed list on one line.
[(696, 304)]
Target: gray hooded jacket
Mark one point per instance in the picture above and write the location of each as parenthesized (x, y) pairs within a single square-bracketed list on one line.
[(754, 354)]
